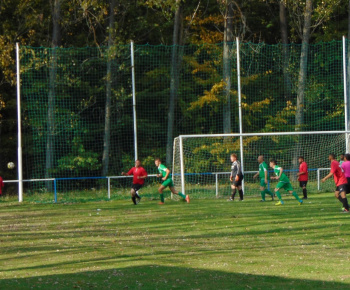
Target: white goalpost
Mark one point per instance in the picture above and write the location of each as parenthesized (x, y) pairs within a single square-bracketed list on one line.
[(201, 163)]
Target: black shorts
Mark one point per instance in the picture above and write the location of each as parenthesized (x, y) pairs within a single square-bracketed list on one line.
[(239, 181), (136, 186), (302, 183), (348, 178), (342, 188)]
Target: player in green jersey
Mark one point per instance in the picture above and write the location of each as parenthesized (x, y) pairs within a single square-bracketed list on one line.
[(264, 177), (283, 182), (164, 172)]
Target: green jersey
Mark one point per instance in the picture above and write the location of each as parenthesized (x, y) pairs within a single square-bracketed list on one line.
[(162, 170), (262, 169), (283, 177)]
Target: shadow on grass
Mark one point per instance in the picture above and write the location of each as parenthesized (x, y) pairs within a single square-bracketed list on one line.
[(164, 277)]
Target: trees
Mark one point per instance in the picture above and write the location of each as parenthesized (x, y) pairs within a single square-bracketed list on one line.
[(174, 77), (108, 109), (299, 116), (50, 137), (227, 64)]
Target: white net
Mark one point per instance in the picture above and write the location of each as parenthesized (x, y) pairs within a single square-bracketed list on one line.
[(206, 160)]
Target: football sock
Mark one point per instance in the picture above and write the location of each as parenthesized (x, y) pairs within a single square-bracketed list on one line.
[(344, 201), (162, 197), (133, 199), (304, 192), (182, 195), (240, 194), (233, 193), (346, 204), (279, 195), (296, 196), (268, 192), (262, 194), (137, 195)]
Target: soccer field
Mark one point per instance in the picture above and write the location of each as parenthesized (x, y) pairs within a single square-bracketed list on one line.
[(207, 244)]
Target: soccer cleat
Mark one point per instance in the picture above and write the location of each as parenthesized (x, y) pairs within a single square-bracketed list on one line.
[(280, 203), (263, 200), (161, 202), (300, 202), (138, 199), (187, 198), (230, 199), (345, 210), (304, 197)]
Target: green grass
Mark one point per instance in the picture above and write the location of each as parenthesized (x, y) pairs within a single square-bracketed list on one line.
[(207, 244)]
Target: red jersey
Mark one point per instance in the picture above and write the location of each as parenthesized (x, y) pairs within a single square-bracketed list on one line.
[(303, 168), (338, 175), (139, 171)]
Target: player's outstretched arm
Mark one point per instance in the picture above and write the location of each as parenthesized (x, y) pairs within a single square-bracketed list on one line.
[(329, 175), (167, 171), (279, 176)]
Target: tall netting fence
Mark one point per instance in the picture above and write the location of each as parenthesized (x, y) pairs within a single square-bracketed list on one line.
[(272, 83), (77, 105)]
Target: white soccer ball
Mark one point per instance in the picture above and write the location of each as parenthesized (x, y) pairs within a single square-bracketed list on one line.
[(10, 165)]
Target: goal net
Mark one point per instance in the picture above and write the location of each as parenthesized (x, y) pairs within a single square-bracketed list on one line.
[(201, 163)]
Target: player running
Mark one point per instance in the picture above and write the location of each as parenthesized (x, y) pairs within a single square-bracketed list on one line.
[(164, 172), (340, 182), (236, 177), (139, 176), (264, 177), (303, 175), (283, 182)]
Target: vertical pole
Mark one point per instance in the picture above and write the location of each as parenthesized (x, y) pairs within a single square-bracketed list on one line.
[(109, 187), (55, 189), (182, 167), (173, 168), (240, 106), (318, 179), (345, 96), (216, 185), (134, 98), (19, 129)]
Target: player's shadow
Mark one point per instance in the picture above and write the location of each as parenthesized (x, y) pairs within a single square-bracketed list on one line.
[(165, 277)]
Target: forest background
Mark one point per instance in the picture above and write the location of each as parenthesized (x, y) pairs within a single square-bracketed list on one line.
[(182, 29)]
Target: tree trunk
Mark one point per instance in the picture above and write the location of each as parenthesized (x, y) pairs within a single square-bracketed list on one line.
[(285, 51), (174, 81), (108, 110), (227, 63), (299, 116), (50, 139)]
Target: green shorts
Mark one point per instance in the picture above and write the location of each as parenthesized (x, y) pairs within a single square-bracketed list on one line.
[(262, 183), (169, 182), (285, 185)]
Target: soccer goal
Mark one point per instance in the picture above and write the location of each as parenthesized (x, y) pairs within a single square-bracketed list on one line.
[(201, 163)]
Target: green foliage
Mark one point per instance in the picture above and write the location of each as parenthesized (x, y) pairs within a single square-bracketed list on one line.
[(78, 161)]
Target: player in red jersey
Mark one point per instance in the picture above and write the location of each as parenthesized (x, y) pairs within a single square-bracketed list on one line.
[(303, 175), (138, 180), (340, 182)]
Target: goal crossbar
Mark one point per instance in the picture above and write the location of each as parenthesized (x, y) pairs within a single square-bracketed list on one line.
[(264, 134)]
